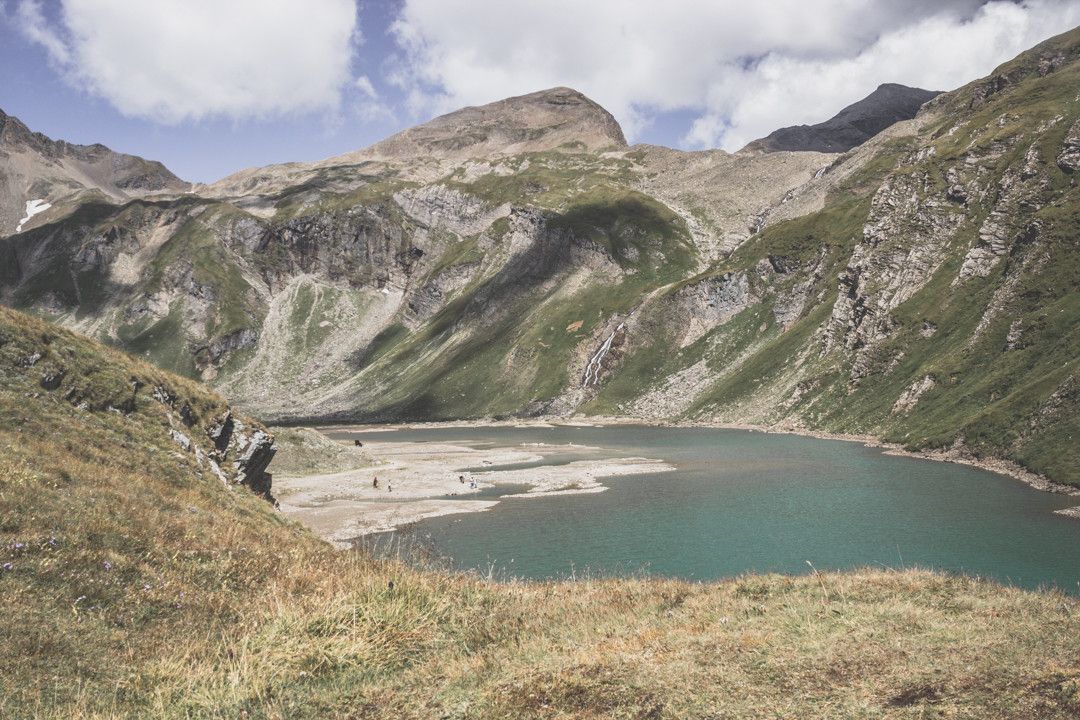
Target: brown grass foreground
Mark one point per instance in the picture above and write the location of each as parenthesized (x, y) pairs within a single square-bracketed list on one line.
[(135, 584)]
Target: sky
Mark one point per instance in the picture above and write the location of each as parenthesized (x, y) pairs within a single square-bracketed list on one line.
[(210, 87)]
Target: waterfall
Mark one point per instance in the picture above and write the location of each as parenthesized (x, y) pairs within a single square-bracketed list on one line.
[(592, 370)]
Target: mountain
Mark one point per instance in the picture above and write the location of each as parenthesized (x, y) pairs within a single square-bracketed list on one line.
[(38, 173), (141, 579), (536, 122), (853, 125), (918, 288), (558, 119)]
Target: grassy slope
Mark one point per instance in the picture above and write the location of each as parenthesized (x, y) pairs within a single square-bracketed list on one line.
[(136, 585), (501, 343), (1022, 404)]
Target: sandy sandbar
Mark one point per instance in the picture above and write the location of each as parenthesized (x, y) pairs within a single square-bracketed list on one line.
[(419, 480)]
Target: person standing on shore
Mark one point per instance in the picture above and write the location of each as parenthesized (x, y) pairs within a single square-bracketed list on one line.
[(375, 482)]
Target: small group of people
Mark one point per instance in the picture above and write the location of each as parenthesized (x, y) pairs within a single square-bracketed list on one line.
[(472, 483), (375, 484)]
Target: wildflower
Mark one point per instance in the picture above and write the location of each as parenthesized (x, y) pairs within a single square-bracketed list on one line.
[(107, 565), (8, 566)]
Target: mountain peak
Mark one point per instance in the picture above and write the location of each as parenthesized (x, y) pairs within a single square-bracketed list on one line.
[(888, 104), (538, 121), (37, 169)]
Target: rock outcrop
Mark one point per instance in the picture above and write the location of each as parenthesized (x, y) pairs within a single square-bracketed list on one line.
[(249, 449), (1069, 158)]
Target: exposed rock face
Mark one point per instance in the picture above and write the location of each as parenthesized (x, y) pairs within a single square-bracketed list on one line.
[(1069, 159), (900, 250), (438, 207), (210, 357), (910, 398), (255, 449), (712, 302), (854, 125), (248, 450)]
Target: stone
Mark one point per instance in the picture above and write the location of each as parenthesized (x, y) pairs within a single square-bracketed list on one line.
[(51, 379), (1069, 158)]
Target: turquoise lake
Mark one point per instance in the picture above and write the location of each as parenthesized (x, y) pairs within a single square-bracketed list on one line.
[(747, 501)]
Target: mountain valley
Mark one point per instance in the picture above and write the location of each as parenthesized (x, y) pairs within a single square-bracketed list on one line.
[(519, 259)]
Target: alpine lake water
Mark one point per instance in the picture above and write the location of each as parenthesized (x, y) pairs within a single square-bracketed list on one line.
[(744, 501)]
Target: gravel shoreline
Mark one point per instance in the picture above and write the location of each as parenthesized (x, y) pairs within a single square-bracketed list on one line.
[(343, 506)]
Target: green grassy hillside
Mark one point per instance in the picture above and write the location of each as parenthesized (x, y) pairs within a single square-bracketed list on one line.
[(942, 272), (136, 583)]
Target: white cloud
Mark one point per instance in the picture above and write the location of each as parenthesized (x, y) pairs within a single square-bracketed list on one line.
[(175, 60), (30, 20), (936, 53), (365, 87), (743, 68)]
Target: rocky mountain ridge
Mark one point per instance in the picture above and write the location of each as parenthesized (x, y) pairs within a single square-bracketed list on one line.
[(536, 122), (916, 287), (887, 105), (38, 173)]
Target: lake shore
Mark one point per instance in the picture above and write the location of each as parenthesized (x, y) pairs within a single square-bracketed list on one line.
[(956, 455), (423, 480)]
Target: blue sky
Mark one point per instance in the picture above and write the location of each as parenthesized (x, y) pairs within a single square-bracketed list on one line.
[(198, 150), (210, 87)]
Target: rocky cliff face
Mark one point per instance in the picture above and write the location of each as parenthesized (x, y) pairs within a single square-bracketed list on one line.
[(519, 259)]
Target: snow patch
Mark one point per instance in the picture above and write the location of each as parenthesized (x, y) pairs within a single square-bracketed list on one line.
[(33, 207)]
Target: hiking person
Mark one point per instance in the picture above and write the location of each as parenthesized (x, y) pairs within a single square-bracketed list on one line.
[(375, 482)]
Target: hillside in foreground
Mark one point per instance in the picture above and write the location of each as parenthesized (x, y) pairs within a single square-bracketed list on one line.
[(139, 581)]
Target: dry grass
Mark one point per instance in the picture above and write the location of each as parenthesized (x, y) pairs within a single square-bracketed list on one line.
[(306, 451), (140, 586)]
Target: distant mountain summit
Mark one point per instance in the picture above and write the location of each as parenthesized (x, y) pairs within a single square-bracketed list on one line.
[(853, 125), (37, 172), (558, 118), (535, 122)]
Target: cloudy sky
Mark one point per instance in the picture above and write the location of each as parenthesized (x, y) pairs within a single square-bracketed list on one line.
[(213, 86)]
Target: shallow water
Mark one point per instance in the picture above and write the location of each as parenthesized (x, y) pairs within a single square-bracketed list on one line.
[(742, 501)]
